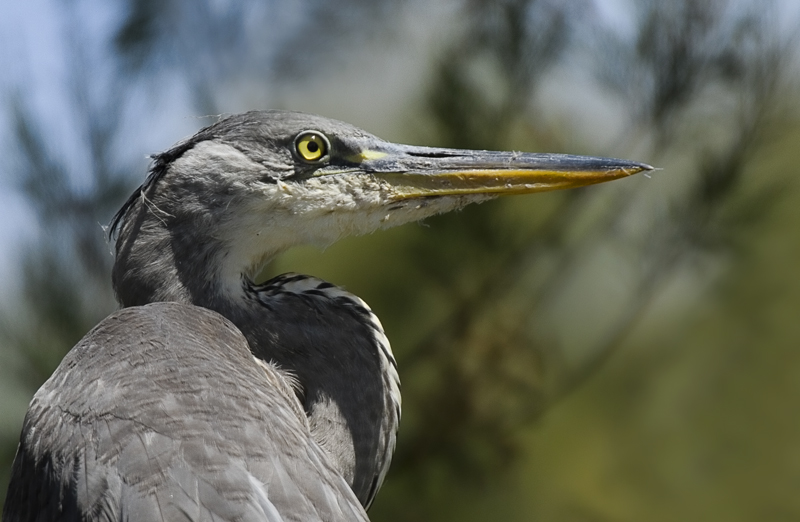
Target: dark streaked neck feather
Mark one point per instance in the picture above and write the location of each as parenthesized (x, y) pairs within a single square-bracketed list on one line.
[(336, 348)]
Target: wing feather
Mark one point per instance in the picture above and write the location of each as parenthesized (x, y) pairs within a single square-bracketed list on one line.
[(161, 413)]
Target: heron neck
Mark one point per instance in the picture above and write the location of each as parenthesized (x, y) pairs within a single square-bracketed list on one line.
[(327, 342), (152, 264), (163, 256)]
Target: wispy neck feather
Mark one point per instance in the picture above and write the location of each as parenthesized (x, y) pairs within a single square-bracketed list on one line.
[(189, 236), (155, 262)]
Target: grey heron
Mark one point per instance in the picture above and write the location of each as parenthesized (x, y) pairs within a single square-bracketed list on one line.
[(210, 397)]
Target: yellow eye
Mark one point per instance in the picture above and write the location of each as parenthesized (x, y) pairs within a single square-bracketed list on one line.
[(311, 146)]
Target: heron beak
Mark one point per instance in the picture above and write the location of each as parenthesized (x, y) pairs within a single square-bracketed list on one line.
[(426, 171)]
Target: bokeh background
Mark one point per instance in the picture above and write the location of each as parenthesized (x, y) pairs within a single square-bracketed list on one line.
[(624, 352)]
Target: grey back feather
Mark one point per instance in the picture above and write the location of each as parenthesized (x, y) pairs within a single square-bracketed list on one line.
[(161, 413)]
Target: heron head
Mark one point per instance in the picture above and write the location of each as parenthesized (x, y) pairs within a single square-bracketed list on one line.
[(262, 182)]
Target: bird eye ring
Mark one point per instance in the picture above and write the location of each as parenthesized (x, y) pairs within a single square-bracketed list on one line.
[(311, 146)]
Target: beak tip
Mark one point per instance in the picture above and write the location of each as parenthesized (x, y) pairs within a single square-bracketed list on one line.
[(636, 168), (647, 169)]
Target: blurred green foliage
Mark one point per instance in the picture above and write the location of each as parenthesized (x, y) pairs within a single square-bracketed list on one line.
[(621, 352)]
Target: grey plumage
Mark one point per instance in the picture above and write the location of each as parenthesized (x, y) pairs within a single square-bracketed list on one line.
[(178, 235), (179, 424), (352, 394), (232, 400)]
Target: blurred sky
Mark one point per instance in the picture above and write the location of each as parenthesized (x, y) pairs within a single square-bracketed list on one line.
[(32, 56)]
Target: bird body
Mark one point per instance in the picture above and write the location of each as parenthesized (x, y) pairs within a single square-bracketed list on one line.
[(231, 400), (162, 413)]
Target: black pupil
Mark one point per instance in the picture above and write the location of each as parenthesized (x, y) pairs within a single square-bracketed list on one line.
[(312, 146)]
